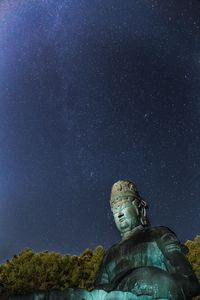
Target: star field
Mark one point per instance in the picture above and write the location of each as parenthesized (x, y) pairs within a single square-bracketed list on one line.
[(92, 92)]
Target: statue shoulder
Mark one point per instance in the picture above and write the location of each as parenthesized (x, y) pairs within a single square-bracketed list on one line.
[(163, 230), (108, 252), (168, 240), (159, 232)]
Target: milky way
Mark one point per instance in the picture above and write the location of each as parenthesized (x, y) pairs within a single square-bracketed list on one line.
[(93, 92)]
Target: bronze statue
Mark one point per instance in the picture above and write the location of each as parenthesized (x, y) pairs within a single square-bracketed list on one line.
[(148, 262)]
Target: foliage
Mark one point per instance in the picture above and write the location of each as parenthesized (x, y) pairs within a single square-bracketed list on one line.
[(45, 271), (194, 256)]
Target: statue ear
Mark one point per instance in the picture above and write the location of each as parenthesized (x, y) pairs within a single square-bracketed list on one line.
[(143, 212), (140, 206), (137, 211), (134, 202)]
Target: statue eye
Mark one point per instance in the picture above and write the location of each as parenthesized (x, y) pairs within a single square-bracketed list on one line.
[(115, 209)]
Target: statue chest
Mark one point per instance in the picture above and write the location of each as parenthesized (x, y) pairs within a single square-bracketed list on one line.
[(129, 255)]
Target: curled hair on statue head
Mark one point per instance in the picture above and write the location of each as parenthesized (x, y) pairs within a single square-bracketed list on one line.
[(141, 207)]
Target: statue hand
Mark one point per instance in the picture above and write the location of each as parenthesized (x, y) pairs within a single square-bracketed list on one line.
[(114, 295), (98, 294), (120, 295)]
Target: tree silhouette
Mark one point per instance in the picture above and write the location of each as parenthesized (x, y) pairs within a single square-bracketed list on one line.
[(28, 271)]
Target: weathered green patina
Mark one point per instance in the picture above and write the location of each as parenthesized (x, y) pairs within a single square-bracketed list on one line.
[(148, 261)]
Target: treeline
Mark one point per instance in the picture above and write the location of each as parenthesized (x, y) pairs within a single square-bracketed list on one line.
[(194, 257), (45, 271), (29, 272)]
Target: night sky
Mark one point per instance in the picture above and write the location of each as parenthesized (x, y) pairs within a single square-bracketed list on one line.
[(91, 92)]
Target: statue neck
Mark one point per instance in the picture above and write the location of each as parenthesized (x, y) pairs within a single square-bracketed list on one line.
[(131, 232)]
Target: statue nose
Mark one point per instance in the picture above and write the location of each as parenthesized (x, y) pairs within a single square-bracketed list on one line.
[(120, 215)]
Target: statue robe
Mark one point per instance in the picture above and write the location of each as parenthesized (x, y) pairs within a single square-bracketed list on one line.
[(150, 262)]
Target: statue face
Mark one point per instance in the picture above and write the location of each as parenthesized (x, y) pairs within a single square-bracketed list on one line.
[(125, 215)]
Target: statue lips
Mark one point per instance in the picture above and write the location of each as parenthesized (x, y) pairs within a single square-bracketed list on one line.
[(122, 219)]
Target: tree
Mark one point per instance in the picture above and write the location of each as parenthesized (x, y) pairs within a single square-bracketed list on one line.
[(194, 256), (45, 271)]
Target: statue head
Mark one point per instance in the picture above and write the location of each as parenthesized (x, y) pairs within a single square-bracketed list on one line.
[(128, 208)]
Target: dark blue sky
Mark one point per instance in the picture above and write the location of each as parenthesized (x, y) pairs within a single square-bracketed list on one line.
[(91, 92)]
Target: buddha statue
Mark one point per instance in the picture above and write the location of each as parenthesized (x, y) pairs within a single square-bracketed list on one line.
[(148, 263)]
